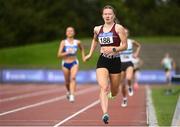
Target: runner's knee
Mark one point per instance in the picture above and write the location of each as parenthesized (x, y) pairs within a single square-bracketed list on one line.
[(73, 78), (104, 88)]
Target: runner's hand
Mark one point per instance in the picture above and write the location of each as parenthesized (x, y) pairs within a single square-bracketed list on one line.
[(87, 57)]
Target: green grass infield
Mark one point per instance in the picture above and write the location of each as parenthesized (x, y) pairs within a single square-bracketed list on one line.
[(165, 104), (44, 55)]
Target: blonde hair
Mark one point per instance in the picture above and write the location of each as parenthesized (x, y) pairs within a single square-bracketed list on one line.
[(110, 7)]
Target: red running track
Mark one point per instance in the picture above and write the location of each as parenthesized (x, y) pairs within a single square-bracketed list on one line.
[(46, 105)]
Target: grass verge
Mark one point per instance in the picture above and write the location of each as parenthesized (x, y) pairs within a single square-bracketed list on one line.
[(40, 56), (165, 104), (43, 55)]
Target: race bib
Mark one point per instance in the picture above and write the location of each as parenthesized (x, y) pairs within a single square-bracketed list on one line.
[(106, 38), (71, 50), (125, 56)]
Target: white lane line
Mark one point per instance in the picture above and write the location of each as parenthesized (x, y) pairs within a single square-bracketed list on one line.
[(176, 117), (30, 95), (77, 113), (47, 101), (150, 110)]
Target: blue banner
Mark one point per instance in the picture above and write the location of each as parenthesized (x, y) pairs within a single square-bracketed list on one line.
[(22, 75), (151, 76), (44, 76), (53, 76), (56, 76)]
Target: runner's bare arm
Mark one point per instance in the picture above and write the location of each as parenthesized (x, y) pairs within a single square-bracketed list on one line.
[(138, 47), (93, 44), (81, 47), (60, 51)]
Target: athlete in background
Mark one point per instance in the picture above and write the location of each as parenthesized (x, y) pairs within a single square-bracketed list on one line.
[(168, 64), (127, 68), (70, 65)]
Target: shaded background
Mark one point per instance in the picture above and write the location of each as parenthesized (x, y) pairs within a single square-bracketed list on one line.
[(30, 30), (30, 21)]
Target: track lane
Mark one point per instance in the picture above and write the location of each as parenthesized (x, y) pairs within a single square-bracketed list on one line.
[(22, 89), (10, 105), (51, 113), (133, 115)]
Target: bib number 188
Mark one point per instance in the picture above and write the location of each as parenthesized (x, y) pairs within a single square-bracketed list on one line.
[(105, 40)]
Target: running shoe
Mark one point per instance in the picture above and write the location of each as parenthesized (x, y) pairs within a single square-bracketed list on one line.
[(71, 98), (105, 118), (67, 95), (130, 91), (110, 96), (124, 103)]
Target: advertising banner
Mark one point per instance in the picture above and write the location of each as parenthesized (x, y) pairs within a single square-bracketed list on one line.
[(56, 76)]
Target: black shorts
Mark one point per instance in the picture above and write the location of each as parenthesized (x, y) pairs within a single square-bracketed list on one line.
[(113, 65), (166, 69), (125, 65), (136, 69)]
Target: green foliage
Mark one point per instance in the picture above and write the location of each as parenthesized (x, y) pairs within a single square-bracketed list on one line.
[(28, 21), (165, 105), (165, 21)]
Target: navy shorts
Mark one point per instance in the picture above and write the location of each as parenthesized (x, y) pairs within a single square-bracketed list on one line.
[(69, 65)]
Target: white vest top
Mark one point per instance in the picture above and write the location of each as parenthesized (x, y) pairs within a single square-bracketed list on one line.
[(167, 63), (71, 48), (127, 55)]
